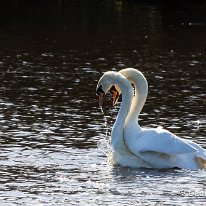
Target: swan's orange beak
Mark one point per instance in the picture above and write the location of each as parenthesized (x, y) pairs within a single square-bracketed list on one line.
[(101, 98), (115, 98), (115, 95), (101, 95)]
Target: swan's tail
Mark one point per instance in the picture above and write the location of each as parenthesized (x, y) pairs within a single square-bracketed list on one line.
[(201, 162)]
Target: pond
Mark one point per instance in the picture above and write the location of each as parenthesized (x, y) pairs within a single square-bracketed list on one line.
[(51, 57)]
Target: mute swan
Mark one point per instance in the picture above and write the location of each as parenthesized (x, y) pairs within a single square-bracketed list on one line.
[(157, 146), (121, 155)]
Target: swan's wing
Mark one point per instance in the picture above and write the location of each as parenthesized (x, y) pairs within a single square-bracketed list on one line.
[(196, 146), (160, 141)]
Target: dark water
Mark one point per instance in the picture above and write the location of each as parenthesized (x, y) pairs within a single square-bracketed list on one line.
[(52, 54)]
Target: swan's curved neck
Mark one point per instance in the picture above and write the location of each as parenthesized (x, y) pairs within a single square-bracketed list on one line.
[(117, 139), (141, 91)]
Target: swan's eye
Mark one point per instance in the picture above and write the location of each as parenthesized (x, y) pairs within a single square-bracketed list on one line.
[(99, 90)]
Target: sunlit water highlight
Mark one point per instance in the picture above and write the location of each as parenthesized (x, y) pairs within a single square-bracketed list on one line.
[(51, 58)]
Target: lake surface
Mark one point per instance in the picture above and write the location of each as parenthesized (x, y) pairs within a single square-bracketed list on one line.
[(52, 55)]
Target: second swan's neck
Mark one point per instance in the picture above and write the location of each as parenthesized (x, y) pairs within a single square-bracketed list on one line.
[(141, 91), (117, 130)]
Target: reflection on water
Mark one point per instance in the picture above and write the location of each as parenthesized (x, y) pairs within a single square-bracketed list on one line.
[(51, 57)]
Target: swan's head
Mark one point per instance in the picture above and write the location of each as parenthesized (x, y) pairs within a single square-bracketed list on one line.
[(136, 78), (106, 84), (130, 73)]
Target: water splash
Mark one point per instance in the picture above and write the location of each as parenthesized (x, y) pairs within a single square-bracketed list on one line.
[(104, 144), (106, 148), (105, 122)]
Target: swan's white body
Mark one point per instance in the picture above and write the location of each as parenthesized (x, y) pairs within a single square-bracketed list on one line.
[(120, 153), (157, 146)]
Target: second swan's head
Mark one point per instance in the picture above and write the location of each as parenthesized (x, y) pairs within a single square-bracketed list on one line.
[(106, 83)]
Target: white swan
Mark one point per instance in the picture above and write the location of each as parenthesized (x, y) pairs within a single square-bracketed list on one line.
[(158, 147), (121, 155)]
